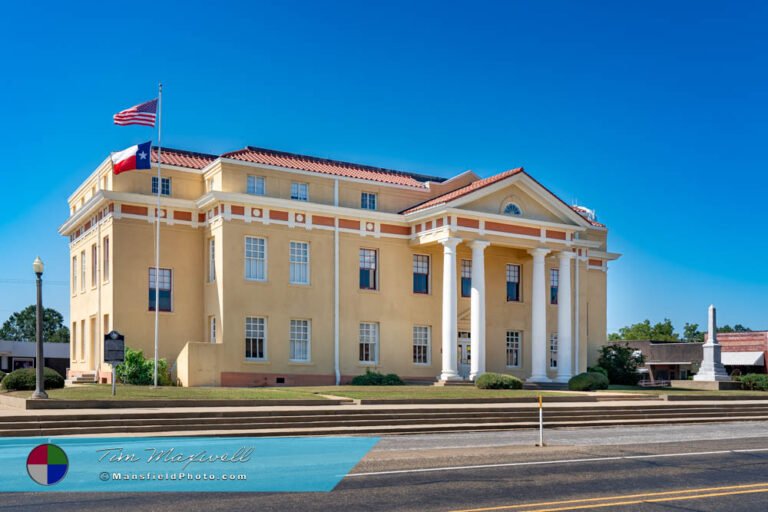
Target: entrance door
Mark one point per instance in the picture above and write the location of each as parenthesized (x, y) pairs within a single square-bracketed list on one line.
[(464, 356)]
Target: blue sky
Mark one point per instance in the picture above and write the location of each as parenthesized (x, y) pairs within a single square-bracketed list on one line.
[(653, 113)]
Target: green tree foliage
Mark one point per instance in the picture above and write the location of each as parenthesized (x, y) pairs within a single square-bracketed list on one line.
[(735, 328), (691, 332), (140, 371), (20, 326), (621, 363), (662, 331)]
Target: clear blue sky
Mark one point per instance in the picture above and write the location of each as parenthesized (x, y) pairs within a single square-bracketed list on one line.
[(653, 113)]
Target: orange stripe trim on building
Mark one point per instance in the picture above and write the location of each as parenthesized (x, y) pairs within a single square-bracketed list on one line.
[(349, 224), (133, 210), (468, 223), (510, 228), (238, 210), (320, 220), (391, 229), (597, 263), (177, 215), (278, 215), (558, 235)]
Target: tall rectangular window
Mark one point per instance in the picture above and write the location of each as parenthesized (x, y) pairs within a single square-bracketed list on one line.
[(82, 341), (82, 271), (299, 263), (300, 191), (368, 201), (256, 185), (514, 349), (255, 258), (256, 338), (421, 344), (554, 283), (368, 274), (165, 186), (73, 345), (105, 266), (74, 275), (466, 278), (369, 342), (94, 265), (420, 273), (553, 350), (300, 340), (211, 260), (165, 285), (212, 329), (513, 283)]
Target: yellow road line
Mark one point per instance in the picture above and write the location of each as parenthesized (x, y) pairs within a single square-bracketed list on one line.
[(622, 497)]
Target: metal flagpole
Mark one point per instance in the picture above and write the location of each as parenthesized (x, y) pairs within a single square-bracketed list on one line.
[(157, 219)]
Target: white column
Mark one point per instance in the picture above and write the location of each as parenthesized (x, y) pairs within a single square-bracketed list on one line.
[(539, 318), (477, 313), (564, 328), (450, 302)]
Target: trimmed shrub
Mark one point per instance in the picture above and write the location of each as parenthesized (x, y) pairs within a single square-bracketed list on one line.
[(754, 381), (597, 369), (139, 371), (2, 375), (498, 381), (24, 379), (588, 381), (373, 378)]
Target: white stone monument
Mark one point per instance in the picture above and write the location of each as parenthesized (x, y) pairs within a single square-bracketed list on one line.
[(711, 368)]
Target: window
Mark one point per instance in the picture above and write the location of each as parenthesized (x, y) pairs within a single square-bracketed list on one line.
[(554, 282), (513, 283), (514, 349), (211, 260), (82, 271), (82, 341), (256, 185), (300, 191), (299, 263), (212, 329), (466, 278), (94, 265), (165, 186), (300, 340), (255, 258), (74, 275), (368, 269), (105, 267), (255, 338), (512, 209), (421, 344), (73, 348), (553, 350), (420, 273), (164, 287), (369, 341), (209, 184), (368, 201)]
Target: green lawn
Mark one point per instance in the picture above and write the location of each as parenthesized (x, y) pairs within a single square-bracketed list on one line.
[(681, 391), (104, 392), (420, 392)]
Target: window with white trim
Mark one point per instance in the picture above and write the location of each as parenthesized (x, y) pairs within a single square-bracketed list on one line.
[(514, 349), (299, 263), (368, 269), (553, 350), (211, 260), (466, 278), (255, 258), (82, 271), (368, 201), (212, 329), (165, 186), (256, 185), (422, 335), (300, 340), (105, 266), (165, 289), (300, 191), (369, 342), (420, 273), (255, 338), (554, 283), (513, 283), (512, 209), (94, 265), (74, 275)]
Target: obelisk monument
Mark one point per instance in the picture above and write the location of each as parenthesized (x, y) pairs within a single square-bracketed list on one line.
[(711, 368)]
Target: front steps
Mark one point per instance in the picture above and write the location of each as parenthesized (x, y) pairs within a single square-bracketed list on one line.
[(83, 378)]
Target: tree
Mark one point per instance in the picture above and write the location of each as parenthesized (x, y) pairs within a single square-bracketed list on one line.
[(20, 326), (621, 363), (691, 332), (661, 331), (735, 328)]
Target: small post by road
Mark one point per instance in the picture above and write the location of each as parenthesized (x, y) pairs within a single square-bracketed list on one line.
[(541, 422), (114, 380)]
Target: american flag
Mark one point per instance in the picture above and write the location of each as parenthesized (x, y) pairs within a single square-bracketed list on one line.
[(143, 114)]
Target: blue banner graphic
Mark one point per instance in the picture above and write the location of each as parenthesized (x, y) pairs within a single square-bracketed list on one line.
[(178, 464)]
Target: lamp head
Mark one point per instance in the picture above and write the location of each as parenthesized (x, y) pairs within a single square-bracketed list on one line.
[(37, 266)]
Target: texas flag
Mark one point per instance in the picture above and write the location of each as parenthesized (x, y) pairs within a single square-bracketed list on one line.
[(135, 157)]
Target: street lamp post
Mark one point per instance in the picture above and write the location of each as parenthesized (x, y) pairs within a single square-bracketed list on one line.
[(39, 393)]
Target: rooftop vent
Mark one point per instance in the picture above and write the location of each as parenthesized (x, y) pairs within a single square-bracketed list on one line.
[(585, 212)]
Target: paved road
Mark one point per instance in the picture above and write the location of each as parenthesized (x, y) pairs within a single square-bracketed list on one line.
[(722, 467)]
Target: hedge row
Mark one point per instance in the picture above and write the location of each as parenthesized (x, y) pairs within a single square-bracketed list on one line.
[(25, 379)]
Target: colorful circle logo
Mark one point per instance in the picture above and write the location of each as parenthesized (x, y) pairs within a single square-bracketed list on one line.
[(47, 464)]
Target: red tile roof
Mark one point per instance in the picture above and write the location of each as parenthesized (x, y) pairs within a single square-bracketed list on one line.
[(331, 167), (462, 191), (593, 222), (182, 158)]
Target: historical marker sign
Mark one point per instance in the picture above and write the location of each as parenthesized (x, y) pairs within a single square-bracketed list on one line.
[(114, 348)]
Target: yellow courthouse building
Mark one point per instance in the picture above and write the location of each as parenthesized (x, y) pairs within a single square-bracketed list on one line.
[(283, 269)]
